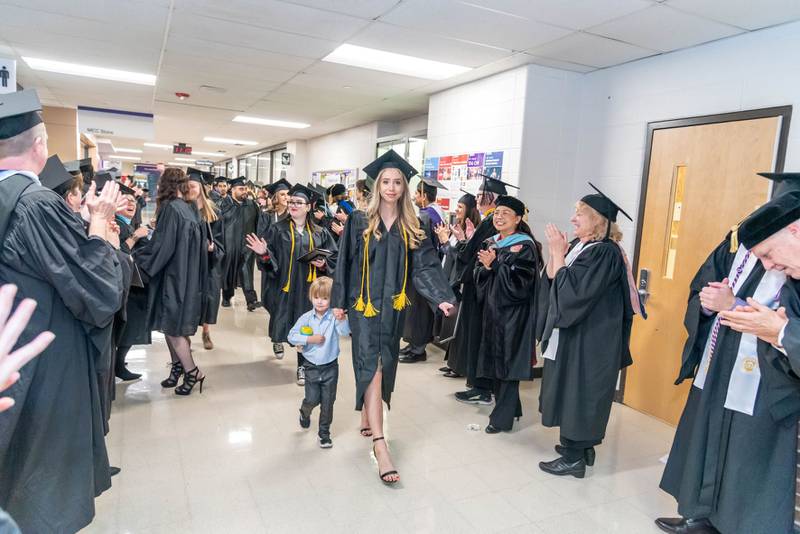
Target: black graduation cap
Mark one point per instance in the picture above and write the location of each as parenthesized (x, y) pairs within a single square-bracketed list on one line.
[(493, 185), (124, 189), (337, 189), (55, 176), (87, 170), (280, 185), (315, 254), (429, 185), (390, 160), (101, 179), (604, 205), (767, 220), (199, 176), (73, 166), (113, 171), (220, 179), (19, 112), (513, 203), (299, 190), (468, 199), (240, 180), (784, 181)]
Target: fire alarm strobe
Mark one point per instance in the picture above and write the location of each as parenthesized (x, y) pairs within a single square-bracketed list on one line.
[(182, 96)]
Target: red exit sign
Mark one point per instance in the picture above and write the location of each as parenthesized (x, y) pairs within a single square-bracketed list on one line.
[(181, 148)]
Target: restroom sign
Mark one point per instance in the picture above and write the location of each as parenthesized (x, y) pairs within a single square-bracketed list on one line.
[(8, 75)]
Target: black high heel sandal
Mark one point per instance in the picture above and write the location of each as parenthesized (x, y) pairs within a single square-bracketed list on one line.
[(189, 381), (174, 374), (366, 432), (387, 473)]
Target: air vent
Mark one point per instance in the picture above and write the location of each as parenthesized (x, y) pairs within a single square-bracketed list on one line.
[(213, 89)]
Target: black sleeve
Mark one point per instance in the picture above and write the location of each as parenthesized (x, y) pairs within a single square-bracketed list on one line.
[(428, 276), (349, 242), (161, 247)]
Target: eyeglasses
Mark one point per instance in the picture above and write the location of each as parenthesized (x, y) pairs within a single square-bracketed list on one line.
[(296, 203)]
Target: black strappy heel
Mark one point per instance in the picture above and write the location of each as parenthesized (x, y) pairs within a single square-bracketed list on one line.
[(189, 381), (387, 473), (174, 374)]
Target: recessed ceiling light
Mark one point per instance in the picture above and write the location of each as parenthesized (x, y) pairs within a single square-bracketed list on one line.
[(190, 160), (88, 71), (269, 122), (157, 145), (226, 141), (212, 154), (131, 158), (370, 58), (128, 150), (177, 164)]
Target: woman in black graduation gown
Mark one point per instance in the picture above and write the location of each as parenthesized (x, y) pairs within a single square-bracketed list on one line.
[(381, 251), (288, 240), (586, 332), (177, 261), (507, 277)]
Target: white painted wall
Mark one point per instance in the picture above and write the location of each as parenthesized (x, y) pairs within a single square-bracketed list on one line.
[(298, 171), (347, 149)]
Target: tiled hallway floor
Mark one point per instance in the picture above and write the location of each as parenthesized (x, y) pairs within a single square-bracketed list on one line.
[(234, 459)]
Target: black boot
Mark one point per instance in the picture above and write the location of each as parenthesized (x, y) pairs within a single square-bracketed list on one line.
[(125, 375), (562, 467), (175, 373), (680, 525)]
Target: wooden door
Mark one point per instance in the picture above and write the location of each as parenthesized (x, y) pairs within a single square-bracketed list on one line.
[(702, 180)]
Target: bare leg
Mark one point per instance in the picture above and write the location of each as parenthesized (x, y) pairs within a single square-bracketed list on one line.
[(366, 431), (206, 328), (181, 347), (373, 406)]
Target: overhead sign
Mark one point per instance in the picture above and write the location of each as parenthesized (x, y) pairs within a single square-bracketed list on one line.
[(204, 163), (8, 75), (114, 122), (181, 148)]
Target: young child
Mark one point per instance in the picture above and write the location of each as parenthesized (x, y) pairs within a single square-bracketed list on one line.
[(317, 332)]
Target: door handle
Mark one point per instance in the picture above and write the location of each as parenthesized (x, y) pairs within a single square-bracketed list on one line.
[(644, 284)]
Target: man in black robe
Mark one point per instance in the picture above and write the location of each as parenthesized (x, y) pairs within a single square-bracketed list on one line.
[(220, 189), (240, 215), (53, 457), (732, 463), (464, 359)]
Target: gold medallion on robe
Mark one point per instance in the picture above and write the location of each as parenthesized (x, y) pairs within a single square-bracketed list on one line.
[(749, 364)]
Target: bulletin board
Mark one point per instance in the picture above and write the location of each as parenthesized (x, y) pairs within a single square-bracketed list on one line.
[(462, 171)]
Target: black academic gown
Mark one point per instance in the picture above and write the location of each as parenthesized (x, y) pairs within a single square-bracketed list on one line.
[(735, 469), (232, 213), (462, 356), (590, 305), (378, 338), (177, 263), (269, 291), (135, 330), (53, 459), (292, 302), (212, 295), (507, 293), (250, 213)]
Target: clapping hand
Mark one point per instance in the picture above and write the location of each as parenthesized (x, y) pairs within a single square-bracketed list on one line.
[(717, 296), (341, 217), (11, 326), (470, 228), (757, 319), (556, 240), (337, 228), (442, 232), (104, 205), (458, 232), (487, 257), (256, 244)]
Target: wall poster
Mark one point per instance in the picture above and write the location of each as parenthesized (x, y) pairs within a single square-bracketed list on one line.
[(462, 172)]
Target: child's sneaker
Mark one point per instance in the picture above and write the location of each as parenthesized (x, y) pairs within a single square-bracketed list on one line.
[(305, 421), (325, 443)]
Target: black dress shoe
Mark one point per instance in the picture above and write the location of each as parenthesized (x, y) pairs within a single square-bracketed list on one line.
[(562, 467), (113, 471), (491, 429), (251, 306), (679, 525), (126, 376), (588, 454), (226, 303), (451, 374), (405, 350), (410, 357), (443, 369)]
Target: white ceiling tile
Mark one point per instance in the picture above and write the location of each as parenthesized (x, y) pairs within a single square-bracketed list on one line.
[(297, 112), (749, 14), (221, 31), (460, 20), (591, 50), (663, 28), (279, 16), (425, 45), (366, 9), (179, 47), (372, 90), (573, 14), (294, 93), (340, 75)]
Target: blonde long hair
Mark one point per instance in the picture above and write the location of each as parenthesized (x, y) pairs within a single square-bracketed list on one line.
[(208, 210), (405, 213), (599, 224)]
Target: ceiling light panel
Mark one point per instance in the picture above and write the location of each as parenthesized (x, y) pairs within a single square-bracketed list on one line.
[(226, 141), (128, 150), (157, 145), (88, 71), (371, 58), (269, 122)]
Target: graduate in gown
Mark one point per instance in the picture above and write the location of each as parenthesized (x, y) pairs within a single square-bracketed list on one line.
[(286, 242), (586, 333), (463, 356), (240, 216), (381, 252), (177, 260), (507, 278), (340, 208), (453, 237), (279, 210), (732, 463), (77, 282), (418, 328)]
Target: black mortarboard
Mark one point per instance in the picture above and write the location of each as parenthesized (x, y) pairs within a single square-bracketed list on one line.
[(55, 176), (113, 171), (767, 220), (604, 205), (87, 170), (101, 179), (299, 190), (430, 184), (337, 189), (125, 190), (280, 185), (784, 181), (240, 180), (199, 176), (73, 166), (250, 183), (315, 254), (493, 185), (390, 160), (220, 179), (19, 112), (512, 203), (468, 199)]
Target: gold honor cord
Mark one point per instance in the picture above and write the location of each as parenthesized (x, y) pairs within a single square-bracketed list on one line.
[(399, 301), (312, 270), (402, 301)]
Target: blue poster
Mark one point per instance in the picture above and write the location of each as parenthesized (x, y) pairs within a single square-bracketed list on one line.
[(493, 164)]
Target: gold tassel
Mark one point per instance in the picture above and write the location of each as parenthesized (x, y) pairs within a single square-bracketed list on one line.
[(401, 300), (288, 284), (734, 238), (370, 310)]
